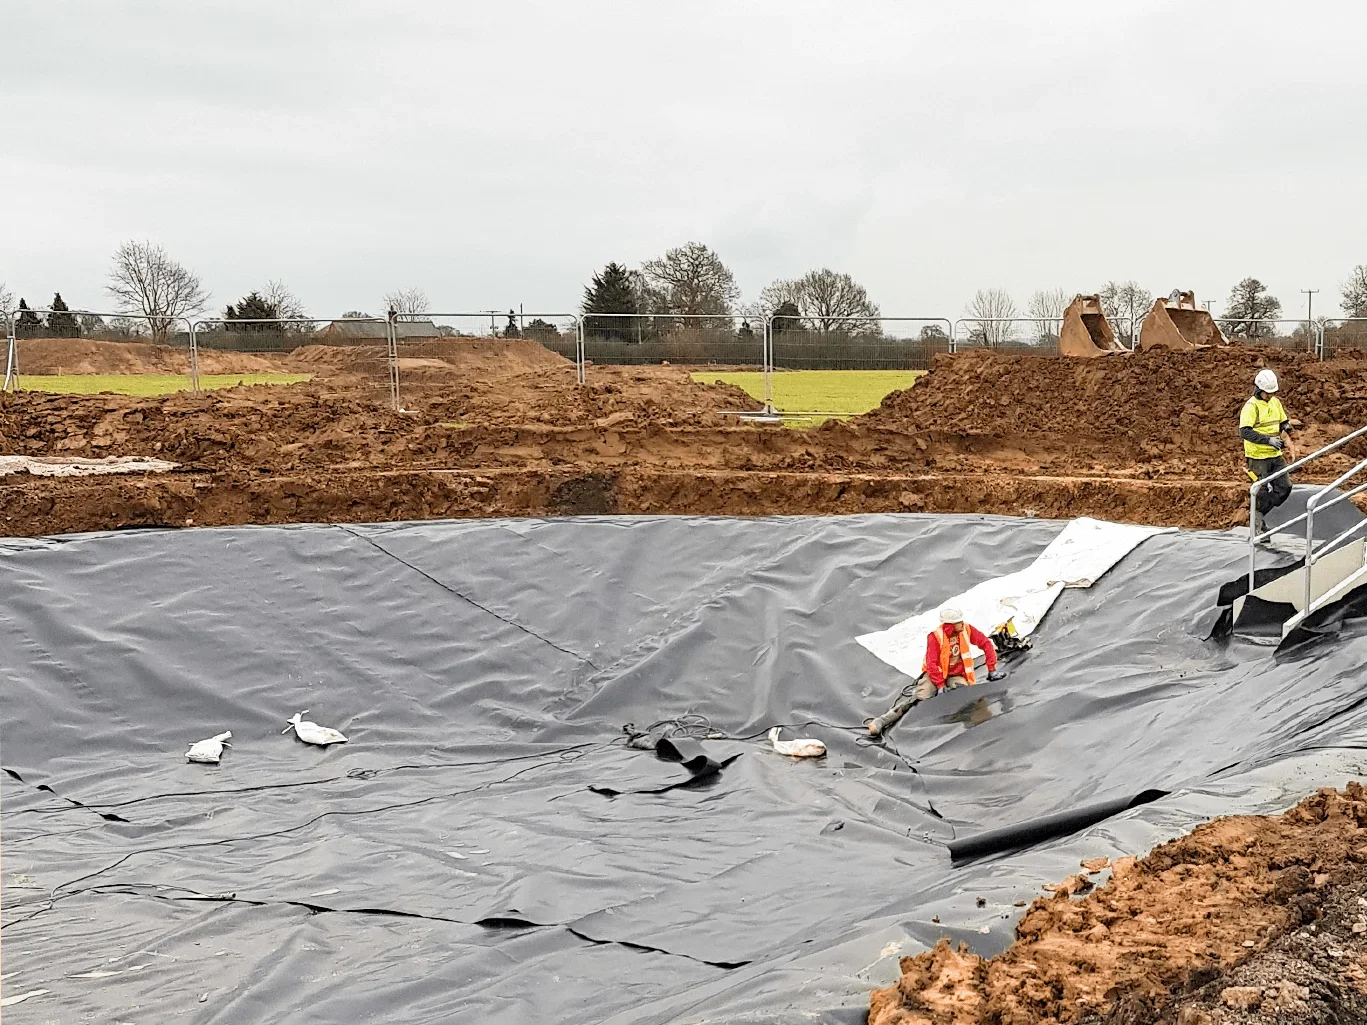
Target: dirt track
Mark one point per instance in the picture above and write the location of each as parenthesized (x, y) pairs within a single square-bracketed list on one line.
[(501, 428)]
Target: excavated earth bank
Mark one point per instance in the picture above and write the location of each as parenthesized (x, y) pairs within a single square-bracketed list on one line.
[(1246, 919), (502, 428)]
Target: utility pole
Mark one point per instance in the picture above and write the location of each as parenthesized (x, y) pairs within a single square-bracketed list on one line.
[(1310, 316)]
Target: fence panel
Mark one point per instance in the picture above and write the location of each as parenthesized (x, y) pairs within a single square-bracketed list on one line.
[(1280, 334), (356, 348), (1029, 336), (85, 350), (1347, 333), (725, 343), (857, 343), (630, 339), (431, 347)]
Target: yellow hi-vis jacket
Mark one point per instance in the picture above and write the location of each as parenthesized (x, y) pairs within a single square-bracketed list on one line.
[(1265, 418)]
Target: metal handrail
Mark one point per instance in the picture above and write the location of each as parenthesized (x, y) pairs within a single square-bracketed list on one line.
[(1312, 556), (1255, 538)]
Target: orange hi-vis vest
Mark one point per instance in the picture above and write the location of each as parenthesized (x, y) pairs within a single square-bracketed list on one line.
[(961, 651)]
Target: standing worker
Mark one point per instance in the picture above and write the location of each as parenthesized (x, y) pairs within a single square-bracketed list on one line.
[(1266, 433), (948, 665)]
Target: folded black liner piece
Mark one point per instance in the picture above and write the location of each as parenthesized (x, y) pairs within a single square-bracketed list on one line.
[(452, 862)]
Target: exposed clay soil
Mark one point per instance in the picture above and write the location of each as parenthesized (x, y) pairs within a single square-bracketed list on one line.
[(86, 356), (1246, 919), (1177, 410), (493, 427)]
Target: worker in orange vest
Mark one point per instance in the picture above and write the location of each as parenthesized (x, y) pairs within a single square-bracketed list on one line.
[(949, 662)]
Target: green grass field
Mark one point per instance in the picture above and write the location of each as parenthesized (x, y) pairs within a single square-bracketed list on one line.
[(826, 391), (144, 384)]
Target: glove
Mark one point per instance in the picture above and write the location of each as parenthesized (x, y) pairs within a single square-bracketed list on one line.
[(1277, 443), (995, 675)]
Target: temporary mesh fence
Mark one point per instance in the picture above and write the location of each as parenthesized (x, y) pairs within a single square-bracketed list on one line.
[(1031, 336), (44, 344), (857, 343), (358, 347), (1341, 333), (689, 339), (1281, 334), (429, 346)]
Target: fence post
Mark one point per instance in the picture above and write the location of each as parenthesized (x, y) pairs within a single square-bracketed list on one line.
[(194, 355), (767, 365), (393, 340), (580, 351), (11, 355)]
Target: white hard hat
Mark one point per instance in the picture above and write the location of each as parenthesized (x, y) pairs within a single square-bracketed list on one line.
[(1265, 381), (949, 614)]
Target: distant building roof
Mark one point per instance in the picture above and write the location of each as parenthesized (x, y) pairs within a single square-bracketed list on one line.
[(358, 330)]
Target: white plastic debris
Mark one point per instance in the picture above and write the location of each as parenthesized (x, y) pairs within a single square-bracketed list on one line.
[(803, 747), (311, 732), (209, 751), (21, 997)]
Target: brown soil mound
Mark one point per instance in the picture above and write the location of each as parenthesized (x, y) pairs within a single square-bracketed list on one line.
[(260, 426), (1160, 929), (329, 422), (88, 356), (486, 356), (1186, 402), (617, 396)]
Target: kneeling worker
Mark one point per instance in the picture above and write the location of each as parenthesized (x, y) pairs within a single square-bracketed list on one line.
[(948, 664), (1262, 426), (949, 661)]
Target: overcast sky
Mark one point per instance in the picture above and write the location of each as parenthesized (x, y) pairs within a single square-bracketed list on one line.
[(497, 153)]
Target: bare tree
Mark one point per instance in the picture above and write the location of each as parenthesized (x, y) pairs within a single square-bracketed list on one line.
[(826, 300), (1125, 303), (1048, 304), (773, 295), (691, 279), (287, 305), (407, 302), (6, 300), (988, 308), (91, 324), (128, 327), (145, 280), (1249, 310), (1353, 293)]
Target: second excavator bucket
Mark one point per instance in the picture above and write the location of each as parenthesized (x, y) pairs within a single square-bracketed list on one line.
[(1085, 331), (1178, 323)]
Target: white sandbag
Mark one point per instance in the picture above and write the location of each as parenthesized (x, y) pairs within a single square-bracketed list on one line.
[(208, 752), (803, 747), (311, 732)]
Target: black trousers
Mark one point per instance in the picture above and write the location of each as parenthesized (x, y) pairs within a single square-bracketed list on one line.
[(1278, 491)]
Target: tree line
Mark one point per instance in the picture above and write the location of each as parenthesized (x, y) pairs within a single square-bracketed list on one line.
[(1250, 311), (689, 285), (155, 294)]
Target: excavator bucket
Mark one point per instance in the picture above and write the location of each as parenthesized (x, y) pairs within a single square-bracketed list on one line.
[(1085, 331), (1178, 323)]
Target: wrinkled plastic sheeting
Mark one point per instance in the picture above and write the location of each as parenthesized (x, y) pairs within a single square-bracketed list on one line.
[(453, 861)]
